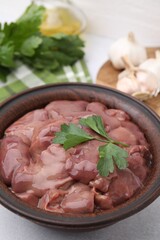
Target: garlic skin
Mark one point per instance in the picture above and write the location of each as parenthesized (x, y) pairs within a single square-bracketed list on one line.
[(153, 65), (127, 46)]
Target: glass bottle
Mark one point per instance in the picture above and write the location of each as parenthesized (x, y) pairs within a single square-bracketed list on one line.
[(61, 16)]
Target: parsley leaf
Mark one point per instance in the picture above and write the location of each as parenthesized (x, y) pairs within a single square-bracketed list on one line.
[(71, 135), (6, 55), (109, 155), (2, 35), (96, 124), (29, 45), (105, 164), (33, 13), (119, 155)]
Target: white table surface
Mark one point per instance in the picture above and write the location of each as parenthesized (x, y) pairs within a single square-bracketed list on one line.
[(143, 226)]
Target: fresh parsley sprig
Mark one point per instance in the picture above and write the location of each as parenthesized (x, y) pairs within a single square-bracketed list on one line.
[(23, 41), (110, 154)]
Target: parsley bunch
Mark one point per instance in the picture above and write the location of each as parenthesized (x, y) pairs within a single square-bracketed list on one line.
[(110, 154), (23, 41)]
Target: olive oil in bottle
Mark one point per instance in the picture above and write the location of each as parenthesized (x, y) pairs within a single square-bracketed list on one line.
[(60, 20)]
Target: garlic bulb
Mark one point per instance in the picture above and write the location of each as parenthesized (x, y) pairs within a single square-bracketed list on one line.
[(127, 46), (136, 81), (152, 65)]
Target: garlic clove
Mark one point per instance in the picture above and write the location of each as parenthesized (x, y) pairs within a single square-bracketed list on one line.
[(127, 85), (127, 46), (147, 80), (123, 74)]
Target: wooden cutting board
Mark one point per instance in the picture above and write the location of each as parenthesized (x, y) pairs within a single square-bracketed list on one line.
[(108, 76)]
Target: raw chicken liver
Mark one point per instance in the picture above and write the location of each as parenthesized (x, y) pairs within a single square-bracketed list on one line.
[(43, 174)]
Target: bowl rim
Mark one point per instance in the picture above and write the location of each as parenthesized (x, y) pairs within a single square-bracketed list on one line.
[(79, 221), (11, 98)]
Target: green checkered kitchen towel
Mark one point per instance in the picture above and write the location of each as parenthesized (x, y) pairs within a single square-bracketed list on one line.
[(24, 77)]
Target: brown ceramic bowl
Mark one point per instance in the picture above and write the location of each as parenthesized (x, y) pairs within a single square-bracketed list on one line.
[(147, 120)]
